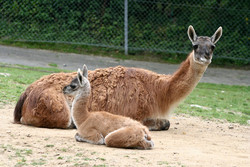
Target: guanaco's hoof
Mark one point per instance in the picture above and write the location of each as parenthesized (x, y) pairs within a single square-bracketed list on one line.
[(165, 124), (157, 124)]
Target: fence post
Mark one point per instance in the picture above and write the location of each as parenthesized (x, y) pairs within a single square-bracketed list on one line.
[(126, 26)]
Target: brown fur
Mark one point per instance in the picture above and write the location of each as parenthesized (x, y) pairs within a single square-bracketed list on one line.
[(102, 127), (45, 104), (139, 93), (18, 108), (136, 93), (133, 92), (113, 130)]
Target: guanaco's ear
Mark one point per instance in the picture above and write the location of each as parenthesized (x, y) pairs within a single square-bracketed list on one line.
[(79, 76), (191, 34), (218, 33), (85, 71)]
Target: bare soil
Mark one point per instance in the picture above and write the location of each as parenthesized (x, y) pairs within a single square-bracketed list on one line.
[(190, 141)]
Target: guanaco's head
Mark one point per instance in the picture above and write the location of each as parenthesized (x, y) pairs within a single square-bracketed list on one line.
[(203, 46), (80, 85)]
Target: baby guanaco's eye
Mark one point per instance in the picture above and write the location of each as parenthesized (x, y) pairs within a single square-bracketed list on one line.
[(73, 86)]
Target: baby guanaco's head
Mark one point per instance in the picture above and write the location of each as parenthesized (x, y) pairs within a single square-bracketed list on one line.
[(80, 85)]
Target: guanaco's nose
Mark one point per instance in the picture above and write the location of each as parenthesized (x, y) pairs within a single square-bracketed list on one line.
[(207, 55)]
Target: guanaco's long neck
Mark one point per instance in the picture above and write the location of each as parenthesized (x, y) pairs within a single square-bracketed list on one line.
[(182, 82), (79, 109)]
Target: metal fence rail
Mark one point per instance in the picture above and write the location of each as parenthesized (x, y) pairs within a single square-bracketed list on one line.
[(154, 25)]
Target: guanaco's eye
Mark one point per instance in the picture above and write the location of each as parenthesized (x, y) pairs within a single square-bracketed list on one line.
[(195, 47), (212, 47)]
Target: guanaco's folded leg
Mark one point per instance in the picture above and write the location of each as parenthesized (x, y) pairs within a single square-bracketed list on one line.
[(90, 136), (129, 137)]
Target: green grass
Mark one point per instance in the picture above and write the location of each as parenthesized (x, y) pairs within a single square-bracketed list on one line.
[(231, 103), (49, 145), (52, 64), (38, 162), (20, 153), (22, 162), (20, 77), (162, 163), (81, 164), (209, 101), (17, 154)]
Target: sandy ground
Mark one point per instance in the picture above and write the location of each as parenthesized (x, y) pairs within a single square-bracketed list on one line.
[(190, 141)]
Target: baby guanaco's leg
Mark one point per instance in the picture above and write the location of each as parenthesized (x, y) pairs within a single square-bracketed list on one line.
[(130, 137), (90, 136)]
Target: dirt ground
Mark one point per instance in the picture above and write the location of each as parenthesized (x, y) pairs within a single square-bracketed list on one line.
[(190, 141)]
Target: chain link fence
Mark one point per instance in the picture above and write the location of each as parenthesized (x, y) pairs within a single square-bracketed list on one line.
[(152, 25)]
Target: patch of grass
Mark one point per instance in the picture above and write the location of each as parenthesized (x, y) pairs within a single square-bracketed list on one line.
[(81, 164), (21, 152), (59, 157), (100, 165), (64, 149), (92, 153), (49, 145), (28, 151), (69, 159), (21, 162), (87, 159), (17, 79), (162, 163), (6, 147), (102, 159), (38, 162), (225, 102), (79, 154), (52, 64), (18, 152)]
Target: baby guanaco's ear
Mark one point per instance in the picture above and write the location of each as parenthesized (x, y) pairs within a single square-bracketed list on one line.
[(85, 71), (79, 76)]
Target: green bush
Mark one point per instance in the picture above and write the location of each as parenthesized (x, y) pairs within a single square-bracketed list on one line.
[(153, 25)]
